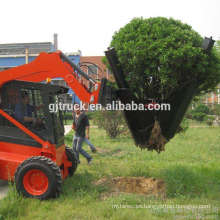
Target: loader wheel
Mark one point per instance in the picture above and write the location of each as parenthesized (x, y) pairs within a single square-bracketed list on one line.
[(38, 177), (72, 158)]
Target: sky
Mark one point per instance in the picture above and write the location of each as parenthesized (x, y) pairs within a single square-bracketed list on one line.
[(88, 25)]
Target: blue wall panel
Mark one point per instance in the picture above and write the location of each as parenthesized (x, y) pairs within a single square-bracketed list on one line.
[(14, 61), (17, 61)]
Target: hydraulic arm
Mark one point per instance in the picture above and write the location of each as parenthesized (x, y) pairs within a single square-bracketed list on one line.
[(52, 65)]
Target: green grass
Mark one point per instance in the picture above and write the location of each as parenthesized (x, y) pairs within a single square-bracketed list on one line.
[(190, 167), (194, 123), (68, 122)]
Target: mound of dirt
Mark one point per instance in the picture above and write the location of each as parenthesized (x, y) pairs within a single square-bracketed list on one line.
[(137, 185)]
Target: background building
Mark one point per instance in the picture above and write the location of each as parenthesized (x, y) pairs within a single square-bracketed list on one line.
[(12, 55), (213, 97), (94, 67), (16, 54)]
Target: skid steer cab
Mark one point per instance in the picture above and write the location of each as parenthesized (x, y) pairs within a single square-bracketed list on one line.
[(32, 149)]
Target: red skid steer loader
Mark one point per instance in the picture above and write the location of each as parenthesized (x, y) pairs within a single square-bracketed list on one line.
[(32, 152)]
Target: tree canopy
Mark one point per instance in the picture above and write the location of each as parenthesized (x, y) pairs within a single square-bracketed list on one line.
[(160, 55)]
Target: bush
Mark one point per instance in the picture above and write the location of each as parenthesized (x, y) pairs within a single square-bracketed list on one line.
[(199, 113), (111, 121), (198, 116), (97, 118), (90, 114), (209, 119), (216, 109), (202, 108)]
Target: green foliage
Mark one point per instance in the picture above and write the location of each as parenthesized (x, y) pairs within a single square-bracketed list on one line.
[(202, 108), (198, 99), (216, 109), (198, 116), (184, 125), (209, 119), (111, 121), (97, 118), (168, 51), (90, 115), (199, 113), (105, 61), (218, 47)]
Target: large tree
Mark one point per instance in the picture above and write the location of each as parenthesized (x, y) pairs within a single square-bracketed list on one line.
[(218, 48), (162, 59)]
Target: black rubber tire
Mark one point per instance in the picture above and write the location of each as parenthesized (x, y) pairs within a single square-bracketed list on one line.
[(49, 168), (72, 158)]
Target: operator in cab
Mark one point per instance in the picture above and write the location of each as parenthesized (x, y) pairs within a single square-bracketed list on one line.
[(24, 111)]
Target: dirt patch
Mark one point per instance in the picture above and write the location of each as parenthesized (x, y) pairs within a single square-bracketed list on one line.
[(136, 185)]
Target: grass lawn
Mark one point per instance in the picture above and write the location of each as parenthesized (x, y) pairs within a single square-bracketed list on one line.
[(190, 167)]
